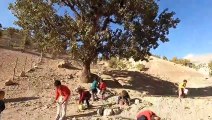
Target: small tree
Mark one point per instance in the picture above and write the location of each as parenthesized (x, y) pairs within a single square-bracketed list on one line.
[(210, 67), (11, 32), (86, 26), (165, 58), (0, 30)]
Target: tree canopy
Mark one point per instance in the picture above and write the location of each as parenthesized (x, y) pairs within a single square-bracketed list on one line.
[(124, 28)]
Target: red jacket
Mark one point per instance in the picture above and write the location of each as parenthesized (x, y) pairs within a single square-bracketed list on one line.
[(102, 86), (85, 95), (63, 91), (146, 113)]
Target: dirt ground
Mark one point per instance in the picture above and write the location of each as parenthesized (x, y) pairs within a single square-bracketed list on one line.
[(32, 98)]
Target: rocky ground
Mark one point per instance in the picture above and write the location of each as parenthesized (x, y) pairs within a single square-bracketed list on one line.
[(32, 97)]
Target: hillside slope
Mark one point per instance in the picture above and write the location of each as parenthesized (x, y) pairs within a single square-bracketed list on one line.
[(32, 98)]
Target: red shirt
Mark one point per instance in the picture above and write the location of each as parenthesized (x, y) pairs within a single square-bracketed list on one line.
[(63, 91), (84, 95), (146, 113), (102, 86)]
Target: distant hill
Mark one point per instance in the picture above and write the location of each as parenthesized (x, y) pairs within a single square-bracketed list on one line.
[(199, 58)]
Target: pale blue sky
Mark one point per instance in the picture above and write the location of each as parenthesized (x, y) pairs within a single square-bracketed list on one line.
[(192, 36)]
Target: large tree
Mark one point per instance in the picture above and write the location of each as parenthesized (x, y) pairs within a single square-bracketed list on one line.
[(0, 30), (124, 28)]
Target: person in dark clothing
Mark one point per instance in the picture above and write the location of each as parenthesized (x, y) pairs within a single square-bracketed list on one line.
[(84, 96), (94, 87), (2, 103), (124, 98)]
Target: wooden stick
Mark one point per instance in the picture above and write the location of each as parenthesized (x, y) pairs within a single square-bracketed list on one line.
[(15, 68), (25, 64)]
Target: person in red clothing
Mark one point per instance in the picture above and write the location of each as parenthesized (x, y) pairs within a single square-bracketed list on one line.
[(62, 96), (102, 87), (147, 115), (84, 96)]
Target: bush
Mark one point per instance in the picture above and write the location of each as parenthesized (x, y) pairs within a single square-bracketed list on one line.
[(113, 62), (165, 58), (117, 64), (140, 67), (121, 65), (210, 68)]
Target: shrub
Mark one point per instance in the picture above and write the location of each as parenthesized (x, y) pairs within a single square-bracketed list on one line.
[(140, 67), (113, 62), (210, 68), (165, 58), (121, 65)]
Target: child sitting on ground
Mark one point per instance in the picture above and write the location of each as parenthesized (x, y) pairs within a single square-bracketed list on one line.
[(124, 98)]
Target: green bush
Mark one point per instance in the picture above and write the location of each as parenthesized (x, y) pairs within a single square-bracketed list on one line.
[(113, 62), (140, 67), (210, 68), (117, 64), (121, 65), (165, 58)]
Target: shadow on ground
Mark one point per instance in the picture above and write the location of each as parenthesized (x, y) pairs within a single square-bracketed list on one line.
[(141, 82), (20, 99), (200, 92), (152, 85), (83, 115)]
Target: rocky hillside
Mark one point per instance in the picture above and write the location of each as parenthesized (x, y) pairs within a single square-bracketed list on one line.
[(32, 97)]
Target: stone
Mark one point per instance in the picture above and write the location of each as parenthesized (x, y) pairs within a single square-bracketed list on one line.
[(108, 112), (23, 74), (100, 111), (9, 83), (137, 101), (70, 76), (116, 111)]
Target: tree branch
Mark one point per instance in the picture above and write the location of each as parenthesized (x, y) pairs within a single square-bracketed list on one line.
[(71, 6)]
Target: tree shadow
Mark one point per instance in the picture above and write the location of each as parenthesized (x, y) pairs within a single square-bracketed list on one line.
[(200, 92), (20, 99), (141, 82), (90, 114)]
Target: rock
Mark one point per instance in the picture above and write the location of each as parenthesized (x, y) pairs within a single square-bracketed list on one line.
[(116, 111), (32, 70), (100, 111), (23, 74), (9, 83), (70, 76), (137, 101), (108, 112), (2, 94), (74, 118), (64, 64)]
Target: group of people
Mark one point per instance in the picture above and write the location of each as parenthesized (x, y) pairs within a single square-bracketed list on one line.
[(63, 95)]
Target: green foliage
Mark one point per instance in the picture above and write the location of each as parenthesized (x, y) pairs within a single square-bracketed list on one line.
[(113, 62), (140, 67), (157, 56), (184, 62), (0, 30), (165, 58), (210, 67), (90, 26), (85, 26), (117, 63)]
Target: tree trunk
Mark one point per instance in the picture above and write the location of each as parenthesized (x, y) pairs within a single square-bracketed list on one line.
[(86, 74)]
